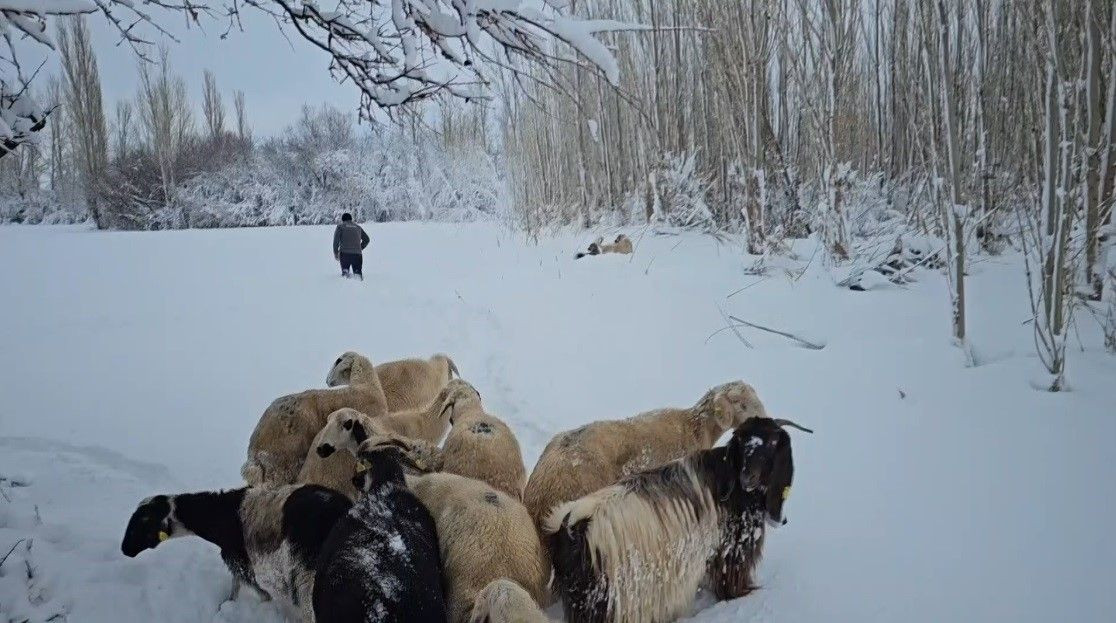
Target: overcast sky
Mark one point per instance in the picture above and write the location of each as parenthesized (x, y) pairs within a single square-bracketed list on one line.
[(277, 76)]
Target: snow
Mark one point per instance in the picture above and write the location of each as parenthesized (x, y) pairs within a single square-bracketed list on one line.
[(138, 363)]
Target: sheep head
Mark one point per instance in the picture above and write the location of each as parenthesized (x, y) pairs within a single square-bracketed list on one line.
[(760, 451), (151, 524), (349, 366), (731, 404), (345, 429), (504, 601), (459, 396)]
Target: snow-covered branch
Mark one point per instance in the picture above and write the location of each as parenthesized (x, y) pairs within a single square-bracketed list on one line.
[(400, 51), (393, 51)]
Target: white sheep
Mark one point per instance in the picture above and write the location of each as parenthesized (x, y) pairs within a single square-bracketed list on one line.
[(504, 601), (407, 383), (596, 455), (282, 437)]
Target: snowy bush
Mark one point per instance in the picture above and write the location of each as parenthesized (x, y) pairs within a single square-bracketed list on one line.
[(679, 194)]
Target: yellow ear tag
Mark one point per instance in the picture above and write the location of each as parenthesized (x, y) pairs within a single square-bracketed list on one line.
[(163, 536), (786, 492)]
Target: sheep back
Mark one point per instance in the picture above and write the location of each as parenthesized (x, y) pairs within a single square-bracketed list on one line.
[(413, 383), (596, 455), (485, 448), (381, 563), (484, 535)]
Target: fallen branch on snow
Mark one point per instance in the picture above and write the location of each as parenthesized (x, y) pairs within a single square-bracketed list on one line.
[(804, 342)]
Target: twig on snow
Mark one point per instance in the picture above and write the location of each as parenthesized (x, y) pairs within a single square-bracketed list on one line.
[(804, 342), (731, 327), (14, 546)]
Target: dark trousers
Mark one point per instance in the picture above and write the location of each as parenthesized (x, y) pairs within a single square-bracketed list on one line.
[(352, 260)]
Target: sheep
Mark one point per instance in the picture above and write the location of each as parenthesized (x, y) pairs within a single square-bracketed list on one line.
[(480, 445), (638, 550), (381, 561), (347, 428), (283, 435), (504, 601), (578, 462), (622, 244), (484, 534), (407, 383), (269, 537)]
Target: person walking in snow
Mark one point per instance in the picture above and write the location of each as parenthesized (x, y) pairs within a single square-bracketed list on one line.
[(349, 241)]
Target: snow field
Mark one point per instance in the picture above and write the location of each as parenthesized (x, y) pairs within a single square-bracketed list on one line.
[(138, 363)]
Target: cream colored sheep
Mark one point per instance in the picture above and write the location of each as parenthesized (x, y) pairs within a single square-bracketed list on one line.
[(483, 535), (348, 428), (334, 469), (407, 383), (278, 445), (480, 445), (581, 461), (345, 429), (504, 601), (622, 244)]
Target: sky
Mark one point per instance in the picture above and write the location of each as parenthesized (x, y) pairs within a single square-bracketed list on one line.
[(277, 75)]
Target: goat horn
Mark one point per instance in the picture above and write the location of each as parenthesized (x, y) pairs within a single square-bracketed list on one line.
[(782, 422)]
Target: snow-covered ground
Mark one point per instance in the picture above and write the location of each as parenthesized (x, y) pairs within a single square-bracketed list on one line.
[(138, 363)]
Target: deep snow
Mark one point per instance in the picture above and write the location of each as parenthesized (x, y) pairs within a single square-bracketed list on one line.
[(138, 363)]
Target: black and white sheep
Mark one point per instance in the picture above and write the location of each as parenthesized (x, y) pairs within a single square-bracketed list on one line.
[(269, 537), (381, 561), (638, 550)]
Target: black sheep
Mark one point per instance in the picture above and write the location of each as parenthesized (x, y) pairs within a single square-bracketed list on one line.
[(381, 562)]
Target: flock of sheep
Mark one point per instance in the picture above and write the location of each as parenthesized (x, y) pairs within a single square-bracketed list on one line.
[(354, 512)]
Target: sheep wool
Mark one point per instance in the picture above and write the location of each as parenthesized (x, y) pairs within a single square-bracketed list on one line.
[(638, 550), (381, 561), (407, 383), (504, 601), (596, 455), (269, 537), (481, 446), (483, 535), (282, 437)]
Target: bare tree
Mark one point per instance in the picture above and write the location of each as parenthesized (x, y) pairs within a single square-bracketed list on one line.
[(58, 136), (243, 131), (164, 117), (954, 212), (1048, 234), (86, 115), (122, 129), (212, 108)]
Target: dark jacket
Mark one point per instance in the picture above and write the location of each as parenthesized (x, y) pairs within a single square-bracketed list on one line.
[(349, 238)]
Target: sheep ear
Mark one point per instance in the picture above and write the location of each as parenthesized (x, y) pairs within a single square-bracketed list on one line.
[(723, 412)]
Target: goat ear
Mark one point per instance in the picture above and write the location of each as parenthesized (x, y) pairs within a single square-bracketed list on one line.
[(780, 478)]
